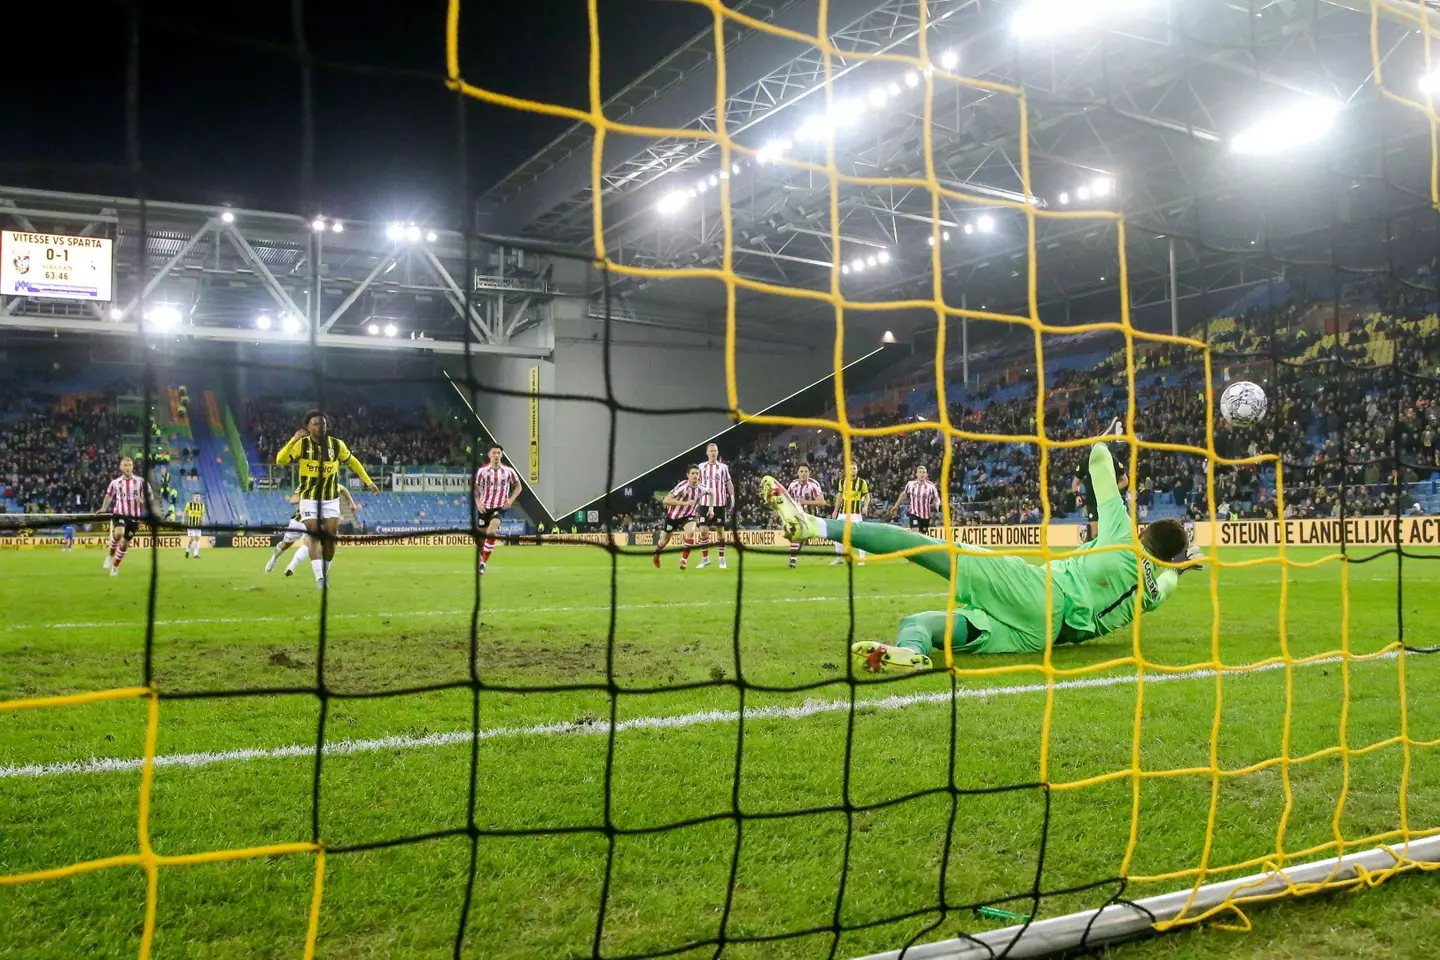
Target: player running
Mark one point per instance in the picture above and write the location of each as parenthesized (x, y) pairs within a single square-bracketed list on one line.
[(497, 487), (808, 496), (681, 504), (295, 533), (319, 456), (194, 518), (720, 496), (852, 502), (922, 501), (129, 495), (1001, 599)]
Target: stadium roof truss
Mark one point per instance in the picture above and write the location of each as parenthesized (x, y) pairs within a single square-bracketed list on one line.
[(1149, 106), (248, 276)]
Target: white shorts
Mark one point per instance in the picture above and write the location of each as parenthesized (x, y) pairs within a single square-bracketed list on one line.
[(193, 532), (852, 517), (324, 509), (294, 530)]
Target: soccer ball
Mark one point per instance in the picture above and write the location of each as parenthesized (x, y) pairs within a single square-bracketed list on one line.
[(1243, 404)]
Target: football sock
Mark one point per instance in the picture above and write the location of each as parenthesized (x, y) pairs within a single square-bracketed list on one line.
[(302, 553), (119, 552), (317, 566), (486, 550), (112, 547), (794, 553), (685, 554)]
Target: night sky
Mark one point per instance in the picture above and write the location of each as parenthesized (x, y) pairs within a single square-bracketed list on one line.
[(221, 119)]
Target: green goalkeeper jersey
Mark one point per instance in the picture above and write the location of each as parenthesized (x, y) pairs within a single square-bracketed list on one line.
[(1098, 588)]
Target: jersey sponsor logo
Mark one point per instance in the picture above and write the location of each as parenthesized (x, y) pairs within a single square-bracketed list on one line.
[(1152, 589)]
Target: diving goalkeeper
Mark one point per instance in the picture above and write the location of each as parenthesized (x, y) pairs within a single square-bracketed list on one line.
[(1001, 599)]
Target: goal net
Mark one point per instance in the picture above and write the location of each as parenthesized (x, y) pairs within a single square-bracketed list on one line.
[(1081, 216)]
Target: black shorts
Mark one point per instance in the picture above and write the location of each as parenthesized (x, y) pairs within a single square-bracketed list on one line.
[(128, 526), (676, 524), (703, 517), (920, 523), (486, 516)]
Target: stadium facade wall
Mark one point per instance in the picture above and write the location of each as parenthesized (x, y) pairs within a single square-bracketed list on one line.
[(653, 370)]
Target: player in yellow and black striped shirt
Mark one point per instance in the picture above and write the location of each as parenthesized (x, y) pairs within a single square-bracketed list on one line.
[(319, 456), (194, 518), (852, 502)]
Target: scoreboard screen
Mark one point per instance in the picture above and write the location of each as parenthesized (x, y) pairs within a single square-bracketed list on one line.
[(56, 266)]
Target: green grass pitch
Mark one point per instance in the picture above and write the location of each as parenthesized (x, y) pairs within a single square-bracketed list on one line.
[(400, 617)]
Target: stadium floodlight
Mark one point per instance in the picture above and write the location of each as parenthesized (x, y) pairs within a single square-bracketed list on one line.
[(394, 231), (870, 261), (337, 227), (969, 228), (714, 180), (889, 337), (1301, 124), (163, 317), (1430, 82), (1064, 198), (985, 223), (412, 233), (893, 89), (812, 129), (945, 235), (373, 329), (844, 268), (702, 186), (117, 314), (1102, 186), (949, 60), (930, 239), (1060, 18), (671, 202), (263, 321), (858, 265), (1083, 193), (883, 256), (431, 236), (911, 78), (289, 323), (724, 174), (318, 224), (227, 217), (877, 96), (391, 330), (734, 168)]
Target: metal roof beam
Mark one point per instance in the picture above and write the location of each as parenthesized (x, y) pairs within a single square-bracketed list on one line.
[(747, 62)]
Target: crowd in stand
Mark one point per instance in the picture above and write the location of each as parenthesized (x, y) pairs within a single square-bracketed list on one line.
[(58, 453), (379, 436), (1319, 411)]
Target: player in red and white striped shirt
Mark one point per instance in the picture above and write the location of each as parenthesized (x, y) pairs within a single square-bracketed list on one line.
[(921, 500), (715, 478), (130, 496), (682, 503), (497, 487), (810, 496)]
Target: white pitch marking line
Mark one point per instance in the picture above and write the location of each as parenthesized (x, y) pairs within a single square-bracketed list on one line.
[(97, 624), (810, 708)]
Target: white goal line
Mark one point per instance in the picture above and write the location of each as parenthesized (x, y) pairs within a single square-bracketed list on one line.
[(810, 708)]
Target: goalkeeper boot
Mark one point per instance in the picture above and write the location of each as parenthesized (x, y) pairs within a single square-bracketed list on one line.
[(797, 524), (872, 657)]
